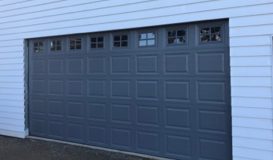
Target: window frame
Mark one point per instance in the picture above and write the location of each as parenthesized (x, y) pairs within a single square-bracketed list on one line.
[(155, 32), (120, 34), (211, 25), (56, 51), (43, 46), (96, 36), (69, 43), (177, 28)]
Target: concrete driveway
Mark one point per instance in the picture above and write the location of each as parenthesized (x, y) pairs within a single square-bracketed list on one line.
[(30, 149)]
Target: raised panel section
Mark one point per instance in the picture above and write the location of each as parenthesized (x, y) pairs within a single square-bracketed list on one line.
[(97, 65), (55, 108), (178, 146), (148, 142), (212, 149), (120, 89), (210, 63), (38, 67), (75, 132), (177, 118), (75, 109), (211, 92), (121, 138), (39, 127), (55, 87), (74, 88), (120, 64), (97, 135), (96, 111), (74, 66), (212, 121), (56, 129), (56, 66), (147, 115), (121, 113), (38, 106), (177, 91), (177, 63), (97, 88), (147, 89), (147, 64), (38, 86)]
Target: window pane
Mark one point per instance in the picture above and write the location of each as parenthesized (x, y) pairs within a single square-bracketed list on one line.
[(116, 44), (75, 43), (171, 40), (210, 34), (124, 44), (205, 35), (97, 42), (143, 36), (100, 39), (124, 37), (55, 45), (142, 43), (38, 47), (216, 33), (151, 36), (116, 38), (93, 45), (151, 42), (120, 41), (94, 40), (146, 39), (100, 45), (181, 33), (177, 37)]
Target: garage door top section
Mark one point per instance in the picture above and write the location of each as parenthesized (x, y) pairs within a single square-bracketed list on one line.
[(161, 91)]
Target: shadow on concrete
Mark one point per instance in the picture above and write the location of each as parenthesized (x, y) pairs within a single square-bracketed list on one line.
[(30, 149)]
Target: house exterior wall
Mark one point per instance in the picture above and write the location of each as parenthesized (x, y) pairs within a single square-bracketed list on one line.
[(251, 30)]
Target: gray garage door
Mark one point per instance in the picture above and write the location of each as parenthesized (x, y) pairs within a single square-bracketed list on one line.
[(162, 91)]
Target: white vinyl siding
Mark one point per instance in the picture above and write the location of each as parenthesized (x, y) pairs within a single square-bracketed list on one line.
[(251, 30)]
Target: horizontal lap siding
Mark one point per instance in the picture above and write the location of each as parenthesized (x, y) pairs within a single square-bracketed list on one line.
[(251, 29)]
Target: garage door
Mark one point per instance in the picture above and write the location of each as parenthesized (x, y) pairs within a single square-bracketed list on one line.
[(161, 91)]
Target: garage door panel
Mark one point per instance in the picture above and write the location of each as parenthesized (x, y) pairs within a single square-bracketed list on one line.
[(212, 149), (147, 64), (55, 108), (211, 92), (38, 66), (178, 146), (212, 121), (177, 118), (97, 135), (38, 106), (121, 64), (177, 90), (56, 87), (176, 63), (97, 111), (56, 66), (121, 88), (75, 132), (75, 66), (75, 87), (56, 129), (210, 62), (97, 88), (147, 89), (121, 138), (148, 142), (171, 99), (97, 65)]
